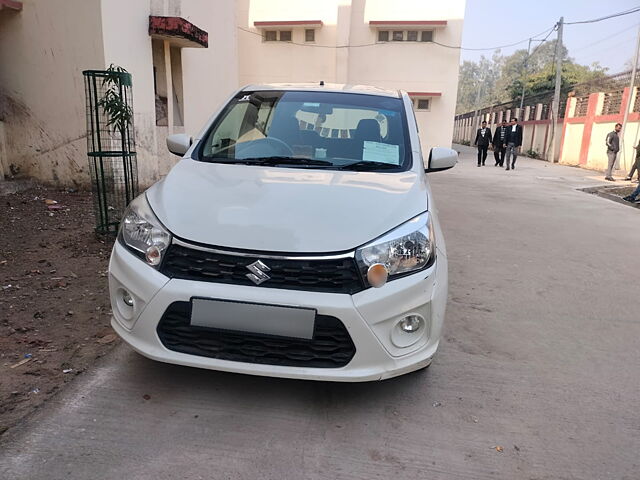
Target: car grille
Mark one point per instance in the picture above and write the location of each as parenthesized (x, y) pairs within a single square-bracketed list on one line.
[(330, 347), (320, 275)]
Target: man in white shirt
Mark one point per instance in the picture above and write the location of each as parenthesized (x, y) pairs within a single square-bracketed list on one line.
[(483, 139), (513, 141)]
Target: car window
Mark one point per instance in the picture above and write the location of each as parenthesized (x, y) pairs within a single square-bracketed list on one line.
[(320, 129)]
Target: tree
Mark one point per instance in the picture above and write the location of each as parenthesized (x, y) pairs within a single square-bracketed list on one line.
[(478, 78), (572, 74), (500, 78)]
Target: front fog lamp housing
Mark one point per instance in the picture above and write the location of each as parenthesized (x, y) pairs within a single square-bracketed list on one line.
[(406, 249), (143, 233), (127, 298), (410, 324)]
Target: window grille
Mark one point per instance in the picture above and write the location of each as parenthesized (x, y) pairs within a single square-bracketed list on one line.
[(285, 35), (582, 103), (612, 102), (636, 103), (427, 36)]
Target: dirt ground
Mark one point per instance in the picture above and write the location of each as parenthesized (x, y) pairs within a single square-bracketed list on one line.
[(614, 192), (54, 304)]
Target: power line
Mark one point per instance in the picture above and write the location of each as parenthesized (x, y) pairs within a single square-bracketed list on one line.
[(613, 15), (456, 47), (604, 39), (549, 31), (612, 52), (543, 41), (313, 45), (459, 47)]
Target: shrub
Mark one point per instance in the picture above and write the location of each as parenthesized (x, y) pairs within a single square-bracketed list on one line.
[(532, 153)]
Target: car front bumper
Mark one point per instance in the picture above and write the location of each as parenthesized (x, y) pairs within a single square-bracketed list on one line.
[(370, 317)]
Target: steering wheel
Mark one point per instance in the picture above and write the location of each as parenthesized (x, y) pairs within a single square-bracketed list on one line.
[(264, 147)]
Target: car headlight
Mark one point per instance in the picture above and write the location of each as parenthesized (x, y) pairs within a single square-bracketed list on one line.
[(406, 249), (143, 233)]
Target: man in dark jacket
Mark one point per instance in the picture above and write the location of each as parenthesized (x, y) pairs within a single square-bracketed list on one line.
[(498, 143), (613, 147), (483, 138), (513, 141)]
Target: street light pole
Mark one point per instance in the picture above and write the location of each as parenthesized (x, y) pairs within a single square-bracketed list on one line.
[(478, 97), (524, 80), (526, 72), (628, 105), (555, 106)]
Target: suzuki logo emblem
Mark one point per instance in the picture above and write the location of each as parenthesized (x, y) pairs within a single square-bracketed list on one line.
[(258, 273)]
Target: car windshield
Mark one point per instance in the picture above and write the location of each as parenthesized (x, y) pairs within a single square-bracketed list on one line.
[(308, 129)]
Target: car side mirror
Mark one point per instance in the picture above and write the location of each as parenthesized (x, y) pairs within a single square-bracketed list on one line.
[(179, 143), (440, 159)]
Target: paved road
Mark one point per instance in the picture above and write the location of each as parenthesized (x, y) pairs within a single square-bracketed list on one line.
[(540, 357)]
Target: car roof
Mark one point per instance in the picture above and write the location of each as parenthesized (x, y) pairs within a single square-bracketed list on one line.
[(326, 87)]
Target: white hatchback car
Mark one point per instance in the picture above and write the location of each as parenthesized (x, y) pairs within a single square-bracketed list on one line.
[(296, 238)]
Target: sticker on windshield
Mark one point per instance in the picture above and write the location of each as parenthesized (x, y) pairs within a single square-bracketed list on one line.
[(381, 152), (310, 104)]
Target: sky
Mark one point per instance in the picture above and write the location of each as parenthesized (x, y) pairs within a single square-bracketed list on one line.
[(611, 42)]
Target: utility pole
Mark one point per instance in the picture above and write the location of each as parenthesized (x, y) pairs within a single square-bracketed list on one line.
[(555, 106), (478, 96), (524, 79), (526, 73), (632, 84)]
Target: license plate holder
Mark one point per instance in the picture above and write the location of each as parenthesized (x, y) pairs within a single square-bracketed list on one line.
[(257, 318)]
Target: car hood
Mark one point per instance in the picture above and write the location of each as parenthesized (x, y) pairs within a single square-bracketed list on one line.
[(288, 210)]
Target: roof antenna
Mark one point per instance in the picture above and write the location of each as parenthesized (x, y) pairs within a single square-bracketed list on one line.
[(322, 83)]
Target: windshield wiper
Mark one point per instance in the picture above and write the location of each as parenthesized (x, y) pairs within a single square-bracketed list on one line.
[(365, 165), (274, 161)]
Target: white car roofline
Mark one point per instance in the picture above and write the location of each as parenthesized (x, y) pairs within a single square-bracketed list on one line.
[(328, 87)]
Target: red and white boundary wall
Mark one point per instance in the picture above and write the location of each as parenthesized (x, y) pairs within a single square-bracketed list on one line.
[(580, 135)]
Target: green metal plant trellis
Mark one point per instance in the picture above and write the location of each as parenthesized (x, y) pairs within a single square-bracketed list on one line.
[(110, 144)]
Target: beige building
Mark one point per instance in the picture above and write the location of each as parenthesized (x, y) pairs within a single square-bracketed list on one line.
[(187, 57)]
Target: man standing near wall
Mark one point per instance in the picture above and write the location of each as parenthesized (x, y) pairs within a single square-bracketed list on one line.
[(613, 147), (483, 138), (499, 142), (513, 141)]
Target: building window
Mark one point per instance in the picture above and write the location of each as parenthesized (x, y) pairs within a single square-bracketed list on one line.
[(309, 35), (427, 36), (423, 104), (285, 35), (275, 35), (405, 36)]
